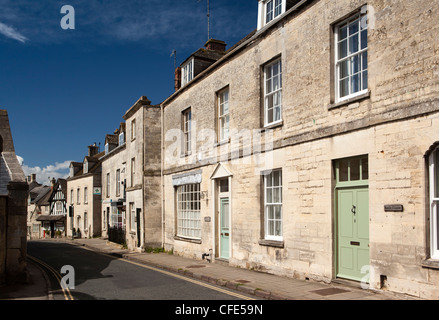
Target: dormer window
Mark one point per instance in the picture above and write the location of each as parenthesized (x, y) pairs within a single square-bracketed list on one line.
[(187, 72), (273, 8), (85, 166), (269, 10), (122, 138), (107, 148)]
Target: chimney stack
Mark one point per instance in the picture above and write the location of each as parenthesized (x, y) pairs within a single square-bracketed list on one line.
[(216, 45), (177, 84), (93, 150), (52, 182)]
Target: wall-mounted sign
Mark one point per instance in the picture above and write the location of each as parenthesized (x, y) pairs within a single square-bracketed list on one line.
[(207, 219), (393, 208), (97, 191)]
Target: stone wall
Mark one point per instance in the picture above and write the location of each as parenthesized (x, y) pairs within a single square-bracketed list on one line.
[(393, 124)]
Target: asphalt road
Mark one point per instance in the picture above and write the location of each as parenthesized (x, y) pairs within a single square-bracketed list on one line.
[(101, 277)]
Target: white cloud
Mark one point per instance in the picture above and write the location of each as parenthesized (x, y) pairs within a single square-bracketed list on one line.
[(11, 33), (20, 160), (58, 170)]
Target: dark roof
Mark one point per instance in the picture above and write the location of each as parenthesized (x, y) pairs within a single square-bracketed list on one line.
[(51, 218), (42, 197), (111, 139)]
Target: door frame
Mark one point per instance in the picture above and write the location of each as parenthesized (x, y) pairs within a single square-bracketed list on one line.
[(362, 183), (221, 172)]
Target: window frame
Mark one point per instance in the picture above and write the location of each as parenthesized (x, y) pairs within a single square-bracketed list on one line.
[(187, 131), (108, 185), (276, 5), (267, 235), (188, 211), (222, 116), (132, 209), (133, 171), (85, 195), (267, 95), (360, 18), (78, 196), (133, 129), (187, 72), (433, 178), (118, 183)]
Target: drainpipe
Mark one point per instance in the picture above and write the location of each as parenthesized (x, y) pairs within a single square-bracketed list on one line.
[(162, 160)]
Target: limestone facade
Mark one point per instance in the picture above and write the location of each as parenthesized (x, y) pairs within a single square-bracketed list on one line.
[(390, 126)]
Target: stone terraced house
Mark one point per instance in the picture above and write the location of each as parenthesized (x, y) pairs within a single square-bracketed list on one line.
[(310, 148)]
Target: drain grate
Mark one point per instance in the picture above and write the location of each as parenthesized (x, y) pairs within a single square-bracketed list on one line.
[(329, 291)]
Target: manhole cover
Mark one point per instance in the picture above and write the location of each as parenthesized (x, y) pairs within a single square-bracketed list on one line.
[(329, 291), (195, 266)]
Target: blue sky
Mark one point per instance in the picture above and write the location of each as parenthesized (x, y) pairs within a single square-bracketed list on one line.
[(66, 89)]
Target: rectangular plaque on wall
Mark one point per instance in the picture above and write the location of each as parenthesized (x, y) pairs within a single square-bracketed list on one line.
[(393, 208)]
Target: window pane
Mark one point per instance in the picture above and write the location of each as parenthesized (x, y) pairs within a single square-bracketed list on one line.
[(355, 83), (365, 169), (344, 87), (355, 169), (364, 39), (364, 60), (343, 170), (269, 195), (355, 64), (344, 69), (365, 80), (353, 27), (342, 49), (343, 33), (270, 109), (353, 44)]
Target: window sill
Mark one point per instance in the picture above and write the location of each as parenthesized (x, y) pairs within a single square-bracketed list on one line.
[(179, 238), (273, 125), (220, 143), (271, 243), (349, 101), (184, 155), (430, 263)]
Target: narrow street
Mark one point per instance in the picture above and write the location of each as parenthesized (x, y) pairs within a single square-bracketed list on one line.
[(101, 277)]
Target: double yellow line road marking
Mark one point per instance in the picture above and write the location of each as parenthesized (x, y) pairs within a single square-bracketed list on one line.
[(66, 291), (68, 295)]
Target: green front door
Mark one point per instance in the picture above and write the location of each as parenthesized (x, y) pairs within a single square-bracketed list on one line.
[(224, 228), (352, 218), (353, 233)]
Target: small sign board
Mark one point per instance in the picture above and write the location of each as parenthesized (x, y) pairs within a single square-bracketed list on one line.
[(97, 191), (393, 208), (207, 219)]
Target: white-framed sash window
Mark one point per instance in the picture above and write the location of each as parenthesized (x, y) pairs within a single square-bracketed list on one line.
[(187, 72), (434, 203), (273, 92), (273, 205), (223, 114), (351, 63)]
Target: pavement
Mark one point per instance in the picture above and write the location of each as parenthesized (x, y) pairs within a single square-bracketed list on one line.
[(258, 284)]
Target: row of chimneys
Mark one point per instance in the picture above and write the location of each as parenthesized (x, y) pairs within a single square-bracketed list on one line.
[(212, 45)]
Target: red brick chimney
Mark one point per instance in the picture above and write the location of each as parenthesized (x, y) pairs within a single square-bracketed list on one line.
[(177, 84), (216, 45)]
